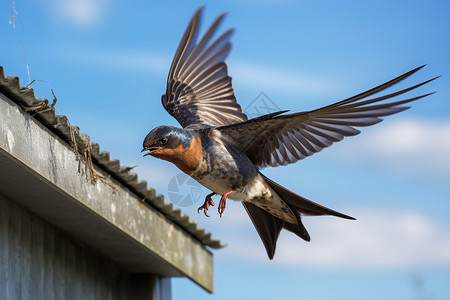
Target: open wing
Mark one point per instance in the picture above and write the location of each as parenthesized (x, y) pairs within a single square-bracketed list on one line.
[(276, 139), (199, 91)]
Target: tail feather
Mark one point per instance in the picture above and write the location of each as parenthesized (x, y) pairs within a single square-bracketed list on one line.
[(269, 226), (301, 204)]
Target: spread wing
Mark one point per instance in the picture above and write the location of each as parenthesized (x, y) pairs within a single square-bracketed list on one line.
[(275, 139), (199, 91)]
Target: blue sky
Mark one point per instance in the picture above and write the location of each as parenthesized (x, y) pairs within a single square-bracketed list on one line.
[(107, 61)]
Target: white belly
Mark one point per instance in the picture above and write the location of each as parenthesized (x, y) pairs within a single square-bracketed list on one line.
[(253, 189)]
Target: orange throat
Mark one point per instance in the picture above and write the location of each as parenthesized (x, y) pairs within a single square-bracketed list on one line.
[(186, 159)]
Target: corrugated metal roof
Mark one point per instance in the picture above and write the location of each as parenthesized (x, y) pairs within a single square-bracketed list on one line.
[(44, 112)]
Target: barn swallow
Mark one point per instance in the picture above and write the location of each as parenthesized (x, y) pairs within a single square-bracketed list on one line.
[(224, 151)]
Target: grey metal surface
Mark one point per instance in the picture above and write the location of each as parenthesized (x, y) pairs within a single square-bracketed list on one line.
[(10, 87), (38, 261)]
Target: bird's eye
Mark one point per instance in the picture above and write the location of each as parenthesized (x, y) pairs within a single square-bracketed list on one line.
[(163, 140)]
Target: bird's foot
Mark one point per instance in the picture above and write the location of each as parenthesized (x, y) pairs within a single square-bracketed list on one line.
[(223, 202), (208, 202)]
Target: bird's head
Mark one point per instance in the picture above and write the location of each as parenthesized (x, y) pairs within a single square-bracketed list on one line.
[(177, 145), (163, 140)]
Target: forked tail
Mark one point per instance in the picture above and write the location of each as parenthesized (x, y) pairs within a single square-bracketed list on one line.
[(269, 226)]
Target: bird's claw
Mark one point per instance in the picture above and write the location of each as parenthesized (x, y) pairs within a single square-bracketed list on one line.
[(221, 208), (223, 203), (208, 202)]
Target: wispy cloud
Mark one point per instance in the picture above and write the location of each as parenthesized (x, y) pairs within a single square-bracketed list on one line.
[(379, 239), (249, 75), (81, 13), (260, 76), (406, 145), (118, 59)]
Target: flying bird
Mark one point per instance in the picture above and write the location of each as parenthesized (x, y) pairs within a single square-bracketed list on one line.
[(224, 151)]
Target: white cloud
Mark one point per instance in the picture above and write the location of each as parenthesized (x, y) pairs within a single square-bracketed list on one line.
[(263, 77), (406, 145), (81, 13), (379, 239)]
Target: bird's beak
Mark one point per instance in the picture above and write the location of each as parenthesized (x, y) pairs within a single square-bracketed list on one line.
[(150, 150)]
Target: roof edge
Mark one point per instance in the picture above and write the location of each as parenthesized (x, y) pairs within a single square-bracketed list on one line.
[(90, 153)]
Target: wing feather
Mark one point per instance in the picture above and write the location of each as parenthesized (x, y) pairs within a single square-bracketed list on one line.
[(276, 139), (199, 91)]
